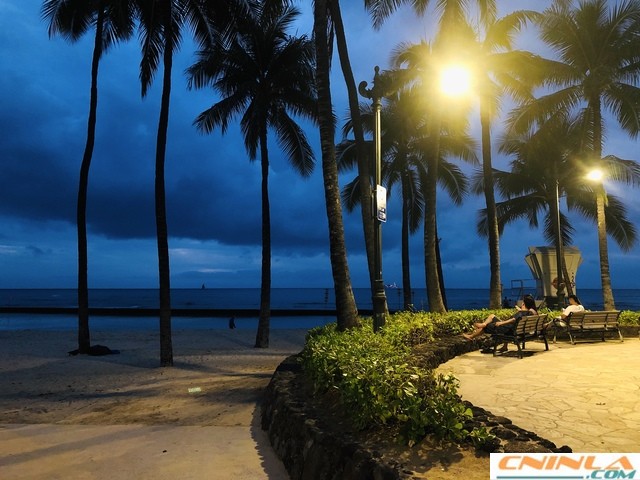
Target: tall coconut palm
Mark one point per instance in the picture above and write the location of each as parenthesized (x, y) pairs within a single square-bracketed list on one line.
[(114, 22), (347, 313), (497, 70), (423, 64), (546, 162), (452, 13), (161, 25), (364, 169), (265, 75), (404, 143), (597, 45)]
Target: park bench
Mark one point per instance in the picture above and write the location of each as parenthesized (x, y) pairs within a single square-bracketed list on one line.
[(585, 323), (526, 328)]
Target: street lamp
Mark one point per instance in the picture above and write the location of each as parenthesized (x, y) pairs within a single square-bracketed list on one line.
[(595, 175), (379, 198), (455, 80)]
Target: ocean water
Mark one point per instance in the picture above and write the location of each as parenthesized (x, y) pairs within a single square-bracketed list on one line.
[(295, 299)]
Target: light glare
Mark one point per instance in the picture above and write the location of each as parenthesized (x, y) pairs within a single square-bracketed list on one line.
[(595, 175), (455, 80)]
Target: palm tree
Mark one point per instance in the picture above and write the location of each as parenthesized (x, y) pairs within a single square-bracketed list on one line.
[(347, 313), (364, 169), (161, 26), (114, 22), (498, 70), (597, 70), (424, 64), (404, 143), (546, 164), (265, 74), (452, 15)]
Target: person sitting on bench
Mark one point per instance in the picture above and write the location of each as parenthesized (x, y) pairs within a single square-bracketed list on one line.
[(574, 306), (492, 325)]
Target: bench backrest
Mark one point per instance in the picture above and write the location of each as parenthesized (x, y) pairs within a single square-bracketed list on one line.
[(593, 319), (530, 325)]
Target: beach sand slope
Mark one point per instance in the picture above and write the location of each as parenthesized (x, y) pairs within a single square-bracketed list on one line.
[(123, 416)]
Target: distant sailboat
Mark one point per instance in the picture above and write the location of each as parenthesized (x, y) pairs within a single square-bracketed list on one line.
[(203, 287)]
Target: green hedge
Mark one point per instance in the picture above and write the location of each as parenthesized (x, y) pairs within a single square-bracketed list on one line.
[(379, 384), (377, 381)]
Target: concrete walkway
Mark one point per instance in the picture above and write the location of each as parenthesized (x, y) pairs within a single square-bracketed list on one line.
[(158, 452), (585, 396)]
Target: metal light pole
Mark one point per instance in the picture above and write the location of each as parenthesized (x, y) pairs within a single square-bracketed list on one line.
[(378, 194)]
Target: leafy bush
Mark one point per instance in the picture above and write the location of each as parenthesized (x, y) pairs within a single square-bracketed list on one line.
[(378, 384), (375, 377), (629, 318)]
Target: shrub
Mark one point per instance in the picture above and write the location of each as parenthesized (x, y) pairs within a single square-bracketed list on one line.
[(378, 384), (375, 378)]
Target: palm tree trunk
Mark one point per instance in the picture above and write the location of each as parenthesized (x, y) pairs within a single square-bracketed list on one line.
[(406, 269), (166, 348), (603, 249), (262, 336), (561, 280), (605, 276), (434, 295), (364, 172), (84, 336), (495, 282), (443, 292), (565, 274), (347, 313)]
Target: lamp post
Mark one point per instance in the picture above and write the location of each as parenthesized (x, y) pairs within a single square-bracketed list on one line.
[(378, 194)]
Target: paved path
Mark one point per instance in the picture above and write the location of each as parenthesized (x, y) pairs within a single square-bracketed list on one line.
[(159, 452), (586, 396)]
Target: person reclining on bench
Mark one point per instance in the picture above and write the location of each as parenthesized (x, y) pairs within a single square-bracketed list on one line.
[(505, 327)]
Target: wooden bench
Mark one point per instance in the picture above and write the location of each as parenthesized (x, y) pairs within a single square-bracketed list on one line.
[(526, 328), (585, 323)]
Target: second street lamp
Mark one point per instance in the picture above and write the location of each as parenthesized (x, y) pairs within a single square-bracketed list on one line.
[(379, 299)]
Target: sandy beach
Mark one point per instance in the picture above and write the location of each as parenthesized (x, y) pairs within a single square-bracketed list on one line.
[(123, 416)]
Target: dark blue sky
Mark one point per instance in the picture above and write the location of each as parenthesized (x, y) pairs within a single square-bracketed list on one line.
[(213, 191)]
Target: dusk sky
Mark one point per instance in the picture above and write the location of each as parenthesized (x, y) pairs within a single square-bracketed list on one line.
[(213, 190)]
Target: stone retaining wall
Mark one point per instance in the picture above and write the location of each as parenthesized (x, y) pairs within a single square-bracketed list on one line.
[(310, 450)]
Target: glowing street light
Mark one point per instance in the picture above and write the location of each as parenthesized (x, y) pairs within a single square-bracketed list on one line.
[(595, 175), (455, 80)]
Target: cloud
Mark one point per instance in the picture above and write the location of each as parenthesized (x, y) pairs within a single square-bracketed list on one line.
[(212, 188)]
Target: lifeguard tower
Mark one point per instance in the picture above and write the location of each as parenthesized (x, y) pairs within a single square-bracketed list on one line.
[(543, 265)]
